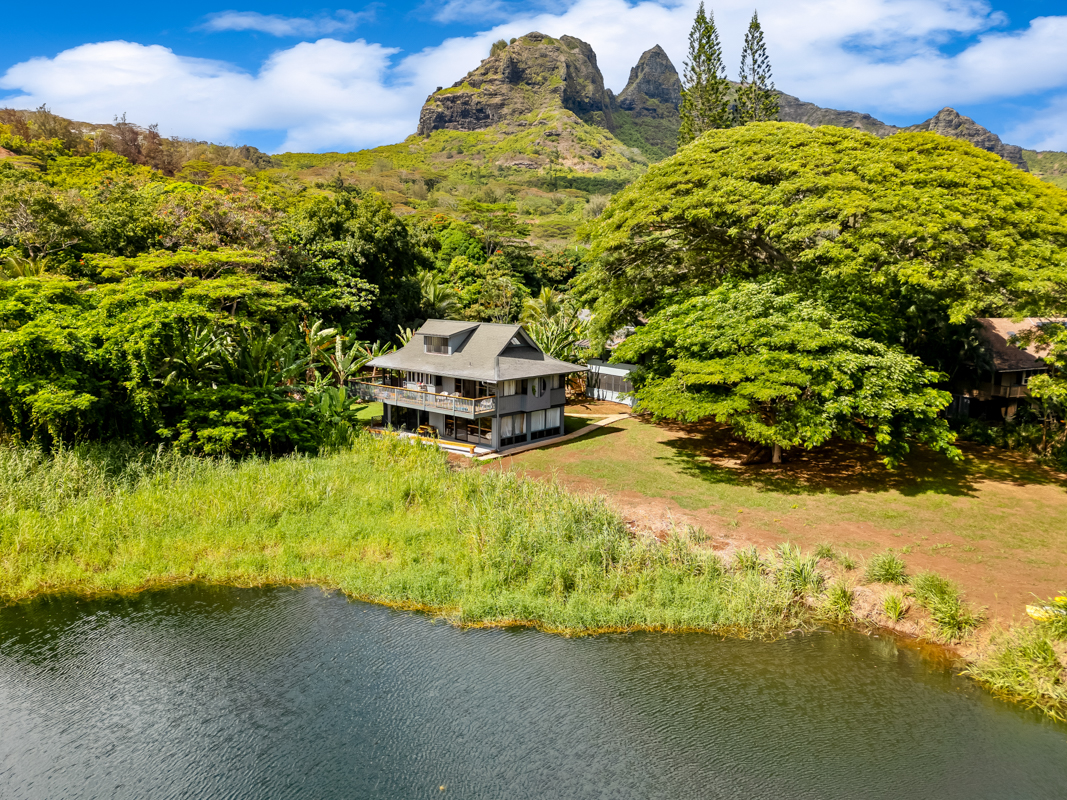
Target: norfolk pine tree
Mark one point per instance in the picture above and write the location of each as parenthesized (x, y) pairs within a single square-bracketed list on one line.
[(756, 98), (705, 90)]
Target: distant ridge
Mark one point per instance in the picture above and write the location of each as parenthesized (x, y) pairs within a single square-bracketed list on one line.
[(535, 74)]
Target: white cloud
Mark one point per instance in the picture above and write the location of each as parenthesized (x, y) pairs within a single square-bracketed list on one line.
[(478, 12), (1044, 130), (325, 93), (881, 56), (276, 25)]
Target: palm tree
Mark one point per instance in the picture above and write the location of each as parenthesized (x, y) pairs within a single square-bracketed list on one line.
[(545, 306), (439, 300), (21, 267)]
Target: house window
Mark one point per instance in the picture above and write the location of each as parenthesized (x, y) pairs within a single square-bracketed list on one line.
[(545, 423), (539, 387), (424, 378), (557, 381), (437, 344), (509, 388), (512, 429)]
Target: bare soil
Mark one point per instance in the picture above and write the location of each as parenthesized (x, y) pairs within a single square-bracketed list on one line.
[(595, 408)]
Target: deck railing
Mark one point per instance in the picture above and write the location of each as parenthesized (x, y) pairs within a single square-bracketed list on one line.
[(431, 401)]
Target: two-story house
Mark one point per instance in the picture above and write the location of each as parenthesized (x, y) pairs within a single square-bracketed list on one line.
[(474, 382), (996, 391)]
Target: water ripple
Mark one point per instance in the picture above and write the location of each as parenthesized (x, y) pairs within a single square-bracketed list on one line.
[(282, 693)]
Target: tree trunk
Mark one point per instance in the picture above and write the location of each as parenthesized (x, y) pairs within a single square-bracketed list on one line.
[(776, 458), (757, 455)]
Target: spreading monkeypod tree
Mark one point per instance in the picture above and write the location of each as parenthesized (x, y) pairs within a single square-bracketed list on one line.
[(859, 235), (783, 372), (869, 225)]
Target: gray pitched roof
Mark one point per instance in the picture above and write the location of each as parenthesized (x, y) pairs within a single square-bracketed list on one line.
[(479, 356), (444, 327)]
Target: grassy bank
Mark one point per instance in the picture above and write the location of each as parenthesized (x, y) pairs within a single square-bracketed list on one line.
[(393, 523), (384, 521)]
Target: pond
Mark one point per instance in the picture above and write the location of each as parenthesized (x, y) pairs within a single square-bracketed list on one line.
[(278, 693)]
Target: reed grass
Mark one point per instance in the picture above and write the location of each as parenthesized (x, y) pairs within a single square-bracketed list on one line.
[(393, 523), (798, 572), (894, 607), (953, 618), (825, 550), (838, 603), (383, 521)]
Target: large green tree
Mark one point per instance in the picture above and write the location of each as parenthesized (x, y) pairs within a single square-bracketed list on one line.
[(870, 226), (783, 372), (756, 99), (353, 261), (705, 90)]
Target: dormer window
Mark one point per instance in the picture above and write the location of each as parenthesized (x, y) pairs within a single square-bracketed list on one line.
[(515, 341), (437, 344)]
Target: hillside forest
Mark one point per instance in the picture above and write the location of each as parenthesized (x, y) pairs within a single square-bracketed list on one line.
[(795, 284)]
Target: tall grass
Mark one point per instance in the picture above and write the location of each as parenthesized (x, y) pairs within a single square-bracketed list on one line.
[(1023, 666), (885, 567), (393, 523), (953, 618), (383, 520)]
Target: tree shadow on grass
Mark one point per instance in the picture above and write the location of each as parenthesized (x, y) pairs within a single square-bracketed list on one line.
[(710, 452)]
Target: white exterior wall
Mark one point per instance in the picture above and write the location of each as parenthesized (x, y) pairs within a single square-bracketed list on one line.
[(599, 393)]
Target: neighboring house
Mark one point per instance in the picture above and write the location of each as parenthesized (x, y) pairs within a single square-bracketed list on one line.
[(474, 382), (998, 394), (609, 381)]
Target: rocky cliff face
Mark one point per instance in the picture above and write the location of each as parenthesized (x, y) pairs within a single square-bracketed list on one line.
[(949, 122), (536, 79), (533, 73), (792, 109), (654, 88)]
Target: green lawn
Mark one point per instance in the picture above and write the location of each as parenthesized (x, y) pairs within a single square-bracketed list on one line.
[(993, 518), (369, 412)]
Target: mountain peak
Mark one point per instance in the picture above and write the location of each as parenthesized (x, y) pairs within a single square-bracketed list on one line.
[(653, 78), (949, 122), (534, 73)]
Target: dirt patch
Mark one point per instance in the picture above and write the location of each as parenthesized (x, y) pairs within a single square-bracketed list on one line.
[(995, 524), (595, 408)]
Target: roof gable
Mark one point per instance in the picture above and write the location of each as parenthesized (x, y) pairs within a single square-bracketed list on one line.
[(997, 332), (480, 350)]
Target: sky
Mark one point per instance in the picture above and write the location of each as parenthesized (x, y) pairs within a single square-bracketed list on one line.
[(290, 77)]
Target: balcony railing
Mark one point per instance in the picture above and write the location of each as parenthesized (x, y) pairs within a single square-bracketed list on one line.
[(430, 401)]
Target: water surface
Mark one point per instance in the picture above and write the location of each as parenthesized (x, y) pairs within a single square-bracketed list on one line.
[(280, 693)]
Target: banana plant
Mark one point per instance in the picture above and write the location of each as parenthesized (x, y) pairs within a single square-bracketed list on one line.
[(343, 365), (266, 360), (373, 351), (196, 357)]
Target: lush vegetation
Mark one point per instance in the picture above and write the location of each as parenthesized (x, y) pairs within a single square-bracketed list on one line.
[(381, 520), (899, 242), (783, 372), (156, 292)]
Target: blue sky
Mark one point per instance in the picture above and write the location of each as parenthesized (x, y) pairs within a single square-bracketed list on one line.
[(286, 76)]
